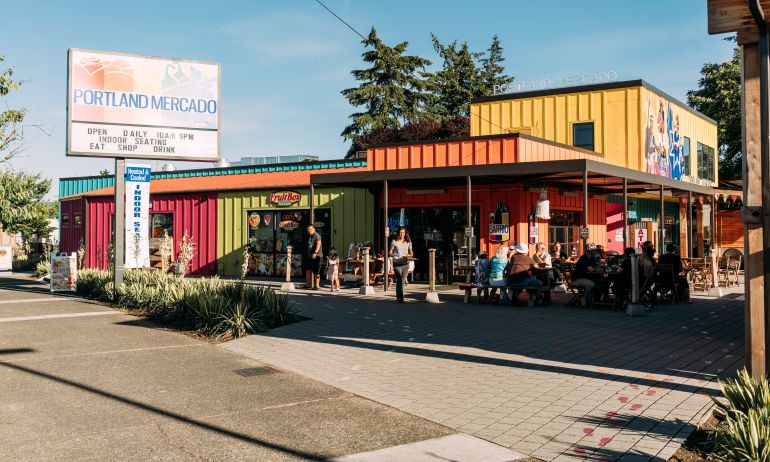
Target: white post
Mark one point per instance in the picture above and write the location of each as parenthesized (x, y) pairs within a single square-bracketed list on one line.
[(432, 295), (714, 290), (288, 286), (634, 308), (366, 289)]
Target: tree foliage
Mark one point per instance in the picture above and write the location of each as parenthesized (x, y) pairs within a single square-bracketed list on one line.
[(391, 90), (10, 119), (719, 97), (23, 207), (404, 102)]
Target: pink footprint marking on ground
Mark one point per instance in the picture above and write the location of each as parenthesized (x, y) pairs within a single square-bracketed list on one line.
[(610, 415), (650, 376), (623, 399), (602, 371), (650, 392), (604, 459), (668, 379), (634, 386), (588, 431), (604, 442), (636, 407)]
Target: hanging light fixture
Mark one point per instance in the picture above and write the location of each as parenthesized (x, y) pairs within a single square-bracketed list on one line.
[(543, 207)]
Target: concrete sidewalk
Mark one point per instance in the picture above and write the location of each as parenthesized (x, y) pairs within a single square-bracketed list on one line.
[(552, 382), (79, 381)]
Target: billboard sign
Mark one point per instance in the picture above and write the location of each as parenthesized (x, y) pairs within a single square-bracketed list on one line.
[(137, 216), (142, 107)]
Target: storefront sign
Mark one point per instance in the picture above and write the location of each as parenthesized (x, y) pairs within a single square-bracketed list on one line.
[(618, 235), (137, 216), (533, 234), (6, 258), (288, 224), (566, 81), (641, 236), (284, 198), (499, 224), (632, 214), (668, 220), (254, 220), (142, 107), (469, 232), (583, 233), (64, 272)]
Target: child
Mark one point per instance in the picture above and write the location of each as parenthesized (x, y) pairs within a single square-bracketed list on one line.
[(332, 270), (482, 277)]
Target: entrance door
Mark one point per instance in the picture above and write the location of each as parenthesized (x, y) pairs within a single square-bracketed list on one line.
[(261, 242), (563, 228)]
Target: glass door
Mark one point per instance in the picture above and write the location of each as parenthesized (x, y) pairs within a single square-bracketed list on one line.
[(563, 228), (261, 243)]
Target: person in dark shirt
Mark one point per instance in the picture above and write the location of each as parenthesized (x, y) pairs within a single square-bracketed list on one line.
[(580, 275), (521, 265), (673, 259), (623, 284)]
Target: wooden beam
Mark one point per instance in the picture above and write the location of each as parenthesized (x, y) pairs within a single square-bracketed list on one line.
[(728, 16), (756, 318)]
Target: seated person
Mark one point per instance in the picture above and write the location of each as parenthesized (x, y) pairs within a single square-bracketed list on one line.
[(623, 284), (483, 267), (497, 270), (558, 253), (521, 264), (673, 259), (542, 258), (580, 276)]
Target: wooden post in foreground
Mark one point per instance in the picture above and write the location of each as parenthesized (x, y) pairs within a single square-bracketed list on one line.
[(432, 295), (288, 286), (366, 289)]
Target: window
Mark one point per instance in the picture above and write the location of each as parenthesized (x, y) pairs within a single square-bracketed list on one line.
[(705, 162), (686, 156), (583, 135)]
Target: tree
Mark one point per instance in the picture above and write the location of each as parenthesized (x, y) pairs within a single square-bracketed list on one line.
[(719, 97), (492, 69), (412, 132), (10, 132), (104, 172), (391, 90), (23, 207), (456, 83)]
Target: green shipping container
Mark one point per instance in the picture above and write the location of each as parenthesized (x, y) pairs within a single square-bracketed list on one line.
[(249, 218)]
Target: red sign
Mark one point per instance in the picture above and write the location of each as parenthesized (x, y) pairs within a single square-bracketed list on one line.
[(284, 198)]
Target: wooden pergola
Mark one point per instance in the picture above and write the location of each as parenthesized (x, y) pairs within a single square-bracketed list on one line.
[(749, 19)]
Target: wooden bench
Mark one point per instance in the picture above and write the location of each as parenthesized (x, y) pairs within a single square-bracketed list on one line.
[(532, 291), (467, 287)]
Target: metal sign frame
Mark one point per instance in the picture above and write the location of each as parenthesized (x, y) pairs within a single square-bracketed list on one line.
[(108, 155)]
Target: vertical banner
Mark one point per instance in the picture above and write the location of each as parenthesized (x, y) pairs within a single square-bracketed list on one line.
[(64, 272), (499, 224), (137, 216), (6, 258)]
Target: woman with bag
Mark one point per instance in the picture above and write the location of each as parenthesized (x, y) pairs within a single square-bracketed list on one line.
[(401, 252)]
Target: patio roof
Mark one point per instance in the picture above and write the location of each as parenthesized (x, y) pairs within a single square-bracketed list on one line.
[(567, 174)]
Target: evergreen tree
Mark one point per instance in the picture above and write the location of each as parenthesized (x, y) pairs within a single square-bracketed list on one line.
[(719, 97), (492, 69), (391, 90), (456, 83)]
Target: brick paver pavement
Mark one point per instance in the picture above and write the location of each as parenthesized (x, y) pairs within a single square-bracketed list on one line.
[(555, 383)]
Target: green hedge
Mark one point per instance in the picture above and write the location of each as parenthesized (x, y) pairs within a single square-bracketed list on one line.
[(209, 306)]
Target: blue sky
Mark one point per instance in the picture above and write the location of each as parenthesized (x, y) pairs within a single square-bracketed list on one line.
[(285, 62)]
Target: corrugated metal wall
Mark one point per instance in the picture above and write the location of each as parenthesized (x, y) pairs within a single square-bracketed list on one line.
[(520, 202), (79, 185), (194, 213), (70, 230), (352, 215), (483, 151)]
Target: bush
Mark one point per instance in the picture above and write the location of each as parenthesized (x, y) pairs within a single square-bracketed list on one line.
[(23, 262), (744, 433), (43, 268), (209, 306)]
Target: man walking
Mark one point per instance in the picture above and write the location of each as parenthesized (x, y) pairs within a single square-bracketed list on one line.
[(312, 260)]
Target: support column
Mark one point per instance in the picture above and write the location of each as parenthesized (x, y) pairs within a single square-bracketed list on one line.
[(120, 225), (661, 224), (625, 214), (311, 201), (385, 253), (584, 240), (469, 239), (689, 224), (756, 311), (715, 290)]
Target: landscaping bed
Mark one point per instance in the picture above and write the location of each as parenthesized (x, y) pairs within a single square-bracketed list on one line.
[(208, 307)]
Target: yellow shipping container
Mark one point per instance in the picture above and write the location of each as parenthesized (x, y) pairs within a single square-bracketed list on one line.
[(631, 123)]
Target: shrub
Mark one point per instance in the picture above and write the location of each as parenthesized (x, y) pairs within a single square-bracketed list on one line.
[(22, 262), (744, 434), (95, 284), (43, 268)]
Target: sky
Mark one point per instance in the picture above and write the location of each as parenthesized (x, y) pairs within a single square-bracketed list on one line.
[(284, 63)]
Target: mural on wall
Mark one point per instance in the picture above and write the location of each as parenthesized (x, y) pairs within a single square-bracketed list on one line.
[(664, 153)]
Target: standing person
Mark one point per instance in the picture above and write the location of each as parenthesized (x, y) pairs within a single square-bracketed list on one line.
[(312, 260), (401, 251), (332, 269)]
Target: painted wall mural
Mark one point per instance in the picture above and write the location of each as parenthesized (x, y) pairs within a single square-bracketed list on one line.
[(664, 147)]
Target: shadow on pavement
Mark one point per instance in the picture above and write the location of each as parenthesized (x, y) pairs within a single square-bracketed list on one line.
[(162, 412)]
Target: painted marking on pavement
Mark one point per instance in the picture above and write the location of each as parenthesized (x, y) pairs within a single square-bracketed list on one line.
[(31, 300), (59, 316)]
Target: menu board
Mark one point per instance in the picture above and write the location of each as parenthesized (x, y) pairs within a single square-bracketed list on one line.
[(6, 258), (64, 272)]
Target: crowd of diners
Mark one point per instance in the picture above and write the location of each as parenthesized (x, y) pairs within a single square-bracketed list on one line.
[(592, 277)]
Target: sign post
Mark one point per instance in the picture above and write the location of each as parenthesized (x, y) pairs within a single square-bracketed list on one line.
[(140, 107)]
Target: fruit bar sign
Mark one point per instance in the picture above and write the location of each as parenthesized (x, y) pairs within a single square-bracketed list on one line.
[(137, 216), (142, 107)]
